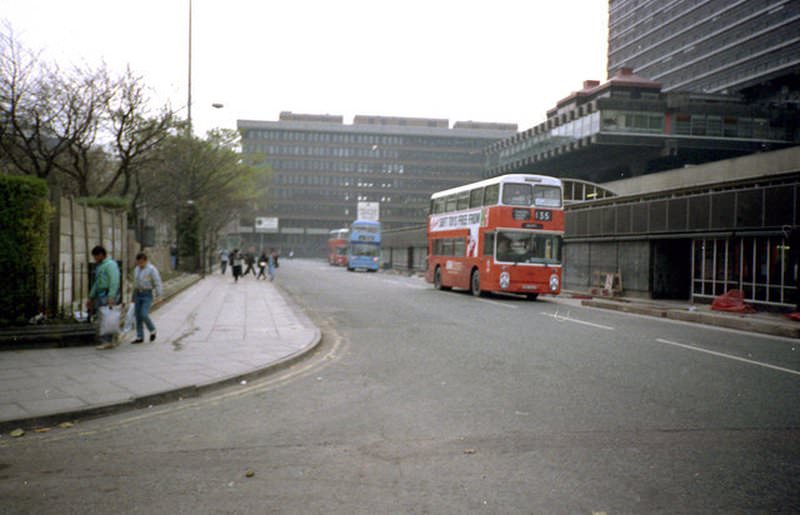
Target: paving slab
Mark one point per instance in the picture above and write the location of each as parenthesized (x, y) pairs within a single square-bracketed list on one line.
[(211, 333)]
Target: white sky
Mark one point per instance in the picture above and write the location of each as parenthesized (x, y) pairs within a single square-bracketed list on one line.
[(489, 60)]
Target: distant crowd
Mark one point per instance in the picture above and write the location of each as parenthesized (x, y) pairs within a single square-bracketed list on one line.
[(245, 263)]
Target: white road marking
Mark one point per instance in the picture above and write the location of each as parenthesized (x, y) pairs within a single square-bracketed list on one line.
[(501, 304), (561, 318), (401, 283), (729, 356)]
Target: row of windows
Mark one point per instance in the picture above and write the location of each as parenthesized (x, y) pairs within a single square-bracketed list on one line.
[(412, 214), (728, 126), (456, 247), (453, 170), (702, 21), (640, 122), (514, 194), (726, 76), (364, 139), (663, 58), (425, 185), (374, 152), (328, 195), (323, 137)]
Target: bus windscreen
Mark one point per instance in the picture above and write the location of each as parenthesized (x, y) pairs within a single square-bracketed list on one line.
[(527, 247)]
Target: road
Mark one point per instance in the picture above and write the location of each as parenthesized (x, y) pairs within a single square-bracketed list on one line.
[(422, 401)]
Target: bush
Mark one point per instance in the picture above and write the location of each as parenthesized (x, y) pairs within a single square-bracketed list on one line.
[(24, 225)]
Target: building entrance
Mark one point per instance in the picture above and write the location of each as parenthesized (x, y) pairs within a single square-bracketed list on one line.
[(672, 269)]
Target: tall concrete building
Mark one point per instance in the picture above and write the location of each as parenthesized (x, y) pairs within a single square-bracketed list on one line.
[(748, 47), (324, 169)]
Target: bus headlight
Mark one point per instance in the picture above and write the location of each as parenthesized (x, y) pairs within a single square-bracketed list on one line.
[(505, 280), (553, 282)]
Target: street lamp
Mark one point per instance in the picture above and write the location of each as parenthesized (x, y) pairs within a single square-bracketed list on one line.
[(189, 100)]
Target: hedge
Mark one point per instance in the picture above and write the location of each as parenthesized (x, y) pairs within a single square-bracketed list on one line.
[(24, 225)]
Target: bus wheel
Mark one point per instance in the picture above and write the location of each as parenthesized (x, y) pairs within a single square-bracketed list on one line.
[(532, 296), (437, 279), (475, 283)]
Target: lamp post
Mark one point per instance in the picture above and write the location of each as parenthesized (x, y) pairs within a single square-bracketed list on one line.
[(189, 100)]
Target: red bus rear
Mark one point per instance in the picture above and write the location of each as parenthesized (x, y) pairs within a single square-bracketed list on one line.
[(498, 235), (338, 242)]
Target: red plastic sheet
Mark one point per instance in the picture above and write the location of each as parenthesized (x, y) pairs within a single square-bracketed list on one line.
[(732, 301)]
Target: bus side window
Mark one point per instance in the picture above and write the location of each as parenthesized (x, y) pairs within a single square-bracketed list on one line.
[(438, 206), (488, 244), (459, 247), (447, 247), (476, 197), (492, 195), (450, 203), (463, 200)]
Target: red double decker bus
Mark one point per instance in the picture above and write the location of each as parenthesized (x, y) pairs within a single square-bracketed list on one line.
[(338, 243), (502, 234)]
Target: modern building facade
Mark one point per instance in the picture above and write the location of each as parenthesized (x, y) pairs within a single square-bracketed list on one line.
[(323, 168), (710, 46), (695, 233), (628, 126)]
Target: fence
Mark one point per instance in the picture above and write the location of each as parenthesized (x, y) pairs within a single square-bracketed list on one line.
[(65, 282)]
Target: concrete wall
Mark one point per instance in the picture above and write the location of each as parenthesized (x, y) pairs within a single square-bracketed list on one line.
[(754, 165), (79, 229)]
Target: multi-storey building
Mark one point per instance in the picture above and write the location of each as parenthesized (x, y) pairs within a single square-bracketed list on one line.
[(628, 126), (710, 46), (322, 169)]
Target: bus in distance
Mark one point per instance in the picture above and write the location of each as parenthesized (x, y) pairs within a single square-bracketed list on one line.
[(365, 246), (498, 235), (338, 242)]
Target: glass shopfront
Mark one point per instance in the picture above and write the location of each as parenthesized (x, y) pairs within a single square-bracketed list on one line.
[(760, 266)]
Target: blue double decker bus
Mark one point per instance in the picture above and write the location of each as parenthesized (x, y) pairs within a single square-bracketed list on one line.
[(365, 246)]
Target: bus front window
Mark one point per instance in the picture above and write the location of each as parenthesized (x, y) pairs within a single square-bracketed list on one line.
[(517, 194), (547, 196), (527, 247), (364, 249)]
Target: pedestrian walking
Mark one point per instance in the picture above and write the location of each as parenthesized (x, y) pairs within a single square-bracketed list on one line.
[(237, 261), (147, 287), (272, 264), (263, 261), (104, 291), (224, 256), (250, 261)]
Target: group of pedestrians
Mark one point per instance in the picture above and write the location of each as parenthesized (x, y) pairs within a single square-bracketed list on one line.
[(105, 293), (266, 263)]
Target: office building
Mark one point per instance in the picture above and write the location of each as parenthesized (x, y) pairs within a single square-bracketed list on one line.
[(324, 170), (748, 47)]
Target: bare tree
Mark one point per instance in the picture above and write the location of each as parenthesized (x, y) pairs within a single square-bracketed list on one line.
[(30, 113), (96, 131), (135, 132)]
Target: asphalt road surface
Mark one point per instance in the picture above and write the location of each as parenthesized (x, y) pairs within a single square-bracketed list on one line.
[(422, 401)]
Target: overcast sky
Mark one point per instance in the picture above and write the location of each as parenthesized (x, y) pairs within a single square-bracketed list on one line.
[(490, 60)]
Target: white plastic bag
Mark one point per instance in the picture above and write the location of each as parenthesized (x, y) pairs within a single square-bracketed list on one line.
[(109, 320), (130, 319)]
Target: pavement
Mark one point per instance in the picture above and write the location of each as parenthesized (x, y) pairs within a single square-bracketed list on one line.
[(214, 333), (762, 322)]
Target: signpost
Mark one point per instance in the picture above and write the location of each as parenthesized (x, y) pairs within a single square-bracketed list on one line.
[(369, 211)]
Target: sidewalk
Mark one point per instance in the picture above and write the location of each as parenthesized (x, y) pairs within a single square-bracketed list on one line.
[(215, 332), (774, 324)]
